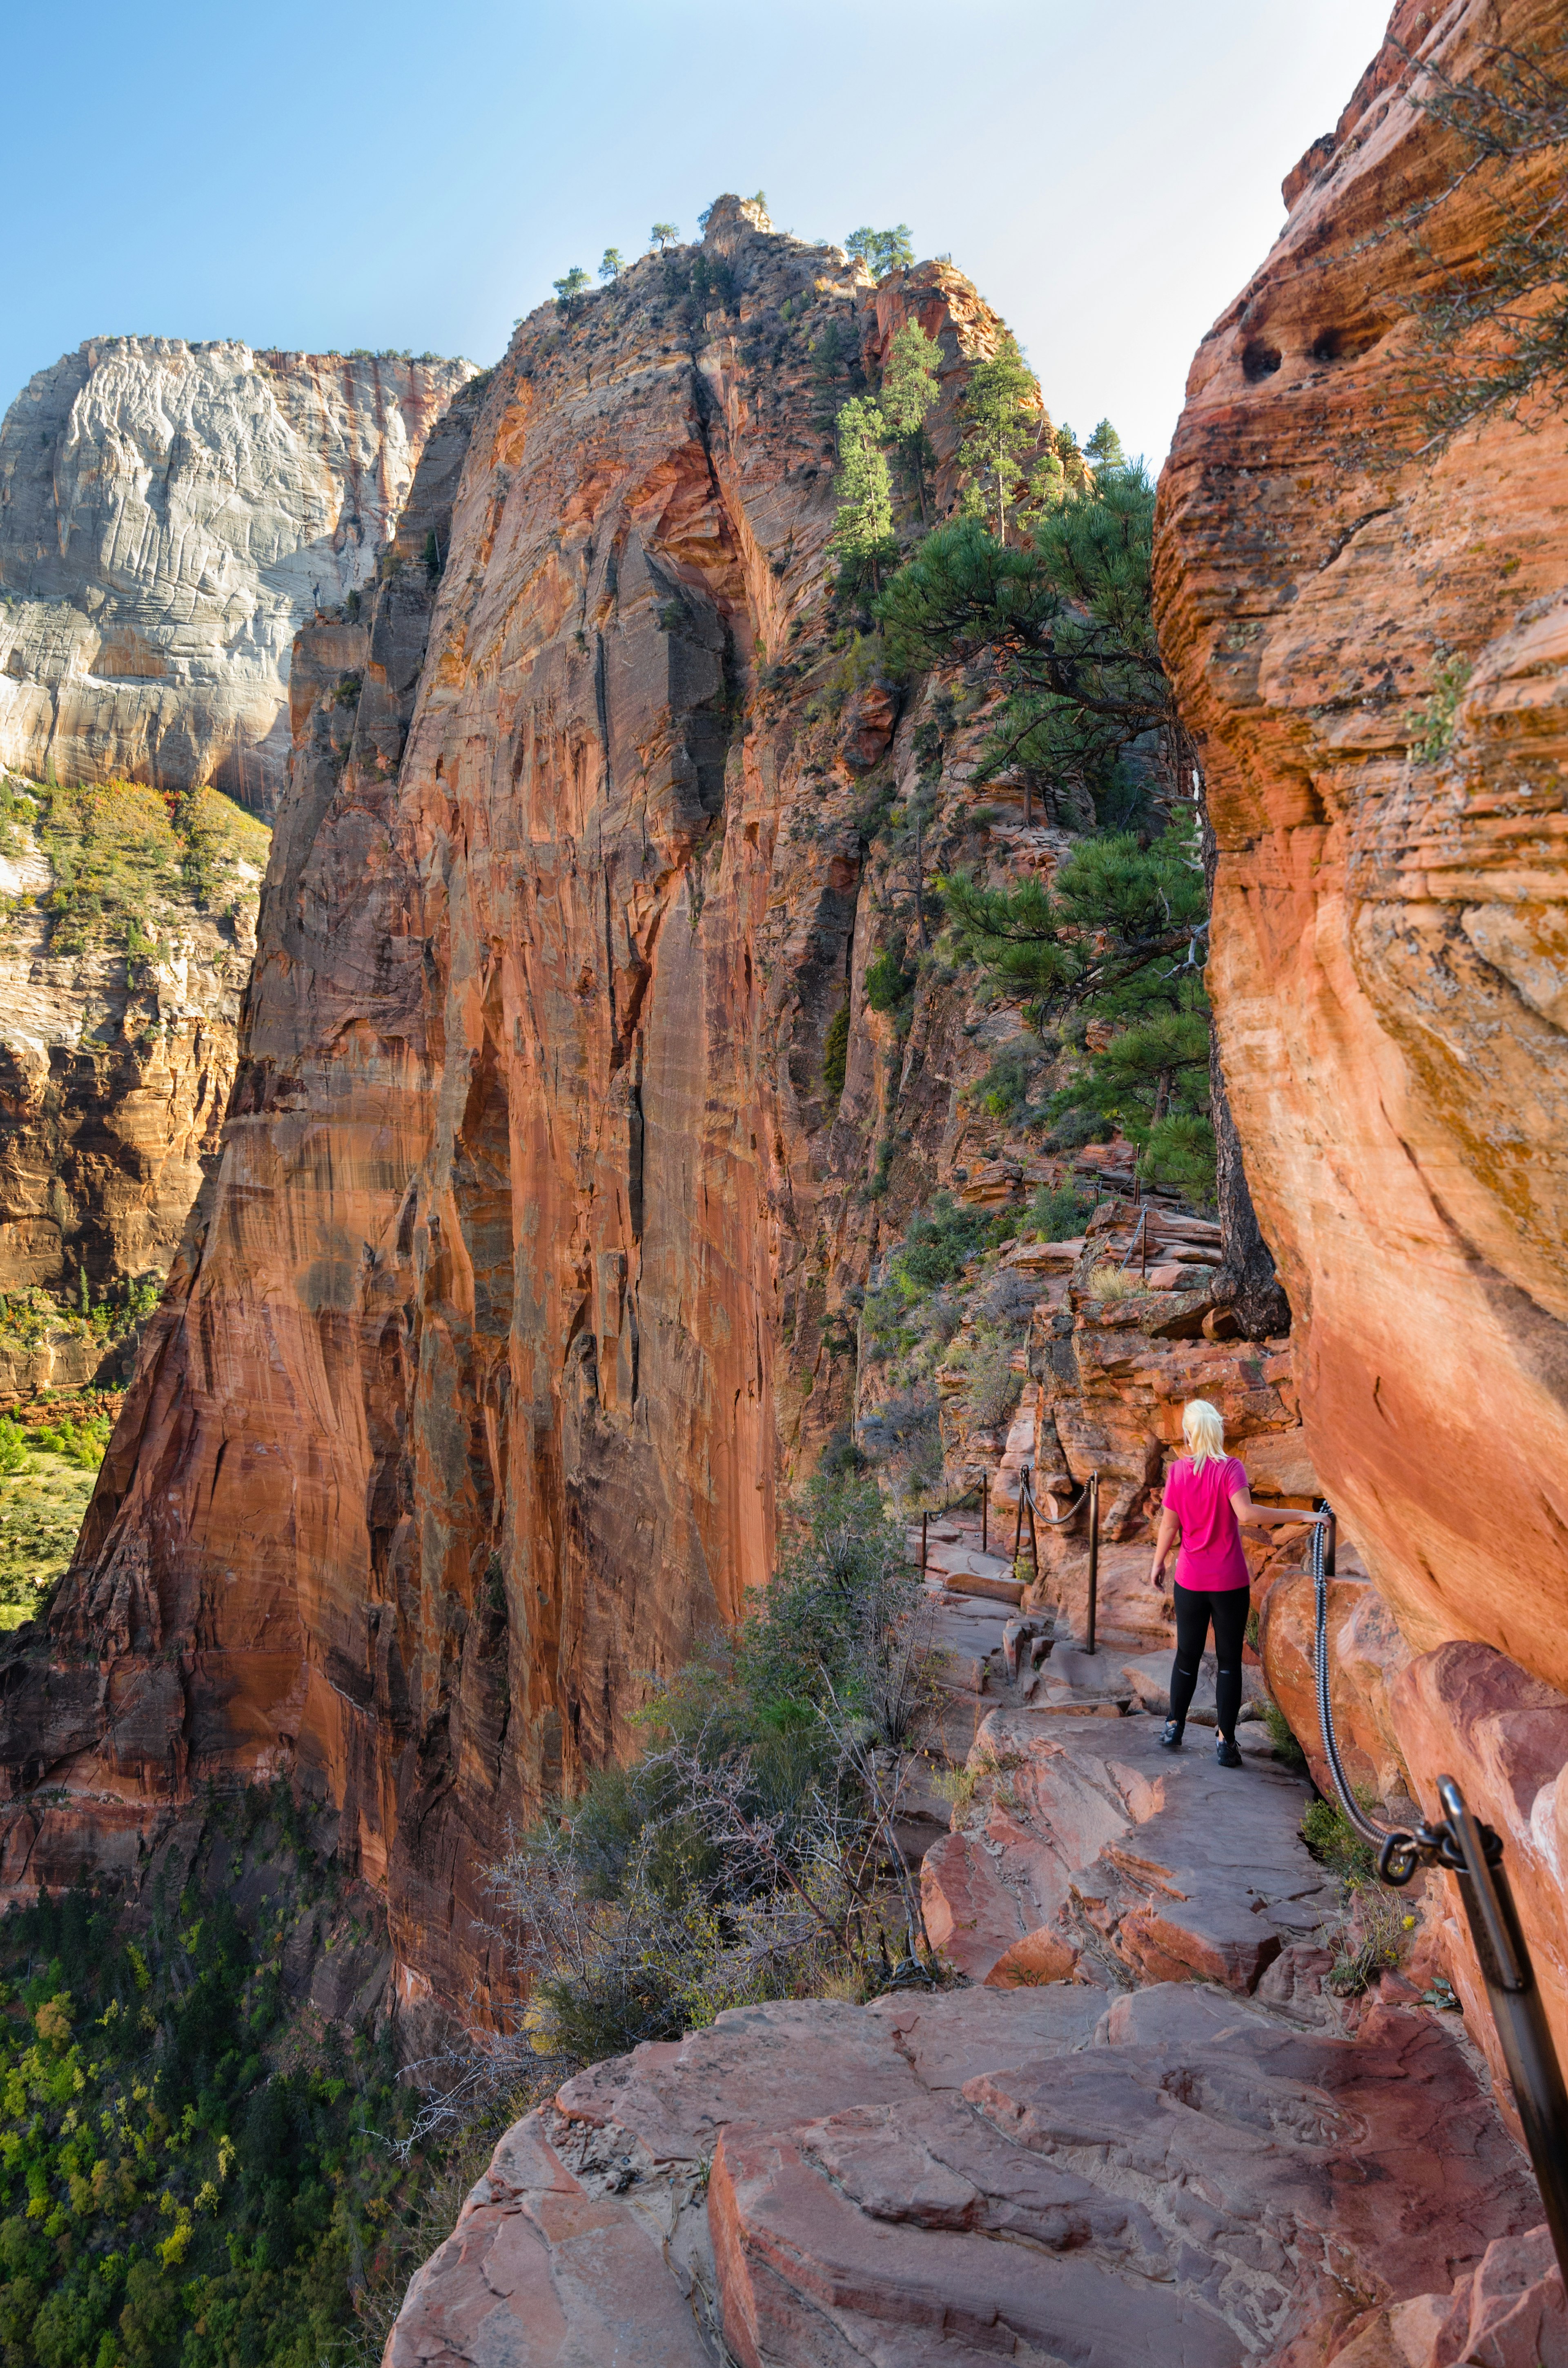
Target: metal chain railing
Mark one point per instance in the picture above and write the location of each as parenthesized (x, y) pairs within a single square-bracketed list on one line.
[(1088, 1494), (1473, 1853)]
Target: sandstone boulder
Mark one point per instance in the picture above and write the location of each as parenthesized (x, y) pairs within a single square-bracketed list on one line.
[(1185, 2177)]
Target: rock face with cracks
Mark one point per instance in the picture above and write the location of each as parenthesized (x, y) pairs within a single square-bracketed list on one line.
[(1388, 966), (170, 515)]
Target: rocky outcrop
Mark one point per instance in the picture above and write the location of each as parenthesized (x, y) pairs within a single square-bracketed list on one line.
[(170, 515), (526, 1264), (1084, 1833), (1371, 647), (1154, 2128), (1175, 2175)]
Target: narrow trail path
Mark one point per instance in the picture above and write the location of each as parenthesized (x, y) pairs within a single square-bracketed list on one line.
[(1141, 2131)]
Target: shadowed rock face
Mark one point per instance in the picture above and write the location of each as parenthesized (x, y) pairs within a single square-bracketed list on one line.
[(170, 515), (465, 1407), (1390, 968)]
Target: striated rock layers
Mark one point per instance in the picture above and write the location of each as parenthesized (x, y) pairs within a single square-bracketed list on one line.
[(1370, 638), (169, 515), (465, 1406)]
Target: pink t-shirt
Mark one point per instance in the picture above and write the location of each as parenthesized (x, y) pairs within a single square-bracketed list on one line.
[(1210, 1557)]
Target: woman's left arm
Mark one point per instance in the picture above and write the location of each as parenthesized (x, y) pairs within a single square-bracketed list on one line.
[(1263, 1515)]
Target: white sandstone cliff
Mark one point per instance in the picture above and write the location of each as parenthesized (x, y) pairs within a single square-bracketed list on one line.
[(170, 515)]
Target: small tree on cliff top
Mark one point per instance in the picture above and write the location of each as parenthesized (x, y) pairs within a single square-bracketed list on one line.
[(664, 234), (881, 250), (613, 264), (570, 288)]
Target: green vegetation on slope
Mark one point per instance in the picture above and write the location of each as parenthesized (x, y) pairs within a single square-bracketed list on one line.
[(193, 2173), (129, 863), (750, 1852), (1059, 619), (47, 1471)]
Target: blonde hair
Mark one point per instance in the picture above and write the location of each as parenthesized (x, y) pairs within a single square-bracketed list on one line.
[(1204, 1432)]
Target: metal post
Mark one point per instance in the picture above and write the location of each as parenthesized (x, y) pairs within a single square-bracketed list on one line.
[(984, 1510), (1094, 1557), (1018, 1524), (1145, 1266), (1034, 1535), (1516, 2010), (923, 1518)]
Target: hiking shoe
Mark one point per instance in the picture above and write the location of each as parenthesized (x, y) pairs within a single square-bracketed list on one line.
[(1227, 1753), (1170, 1738)]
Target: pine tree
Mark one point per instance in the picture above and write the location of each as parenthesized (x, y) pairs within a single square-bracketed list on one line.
[(1118, 937), (881, 250), (613, 264), (1104, 448), (1069, 629), (1001, 404), (835, 370), (910, 388), (664, 234), (862, 536), (569, 288)]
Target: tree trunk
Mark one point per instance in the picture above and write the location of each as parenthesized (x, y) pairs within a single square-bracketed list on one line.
[(1249, 1283)]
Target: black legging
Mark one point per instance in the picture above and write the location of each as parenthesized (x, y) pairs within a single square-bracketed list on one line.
[(1194, 1609)]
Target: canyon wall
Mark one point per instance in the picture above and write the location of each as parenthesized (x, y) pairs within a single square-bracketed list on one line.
[(527, 1269), (1368, 632), (170, 514)]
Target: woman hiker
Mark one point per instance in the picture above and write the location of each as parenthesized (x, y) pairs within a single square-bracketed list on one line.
[(1207, 1499)]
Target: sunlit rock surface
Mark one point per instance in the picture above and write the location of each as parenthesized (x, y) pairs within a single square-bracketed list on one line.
[(1177, 2175), (523, 1273)]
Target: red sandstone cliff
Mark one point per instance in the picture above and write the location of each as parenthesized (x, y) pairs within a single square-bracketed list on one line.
[(1389, 936), (466, 1406)]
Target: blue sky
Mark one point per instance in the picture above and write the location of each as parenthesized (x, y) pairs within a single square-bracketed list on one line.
[(308, 174)]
